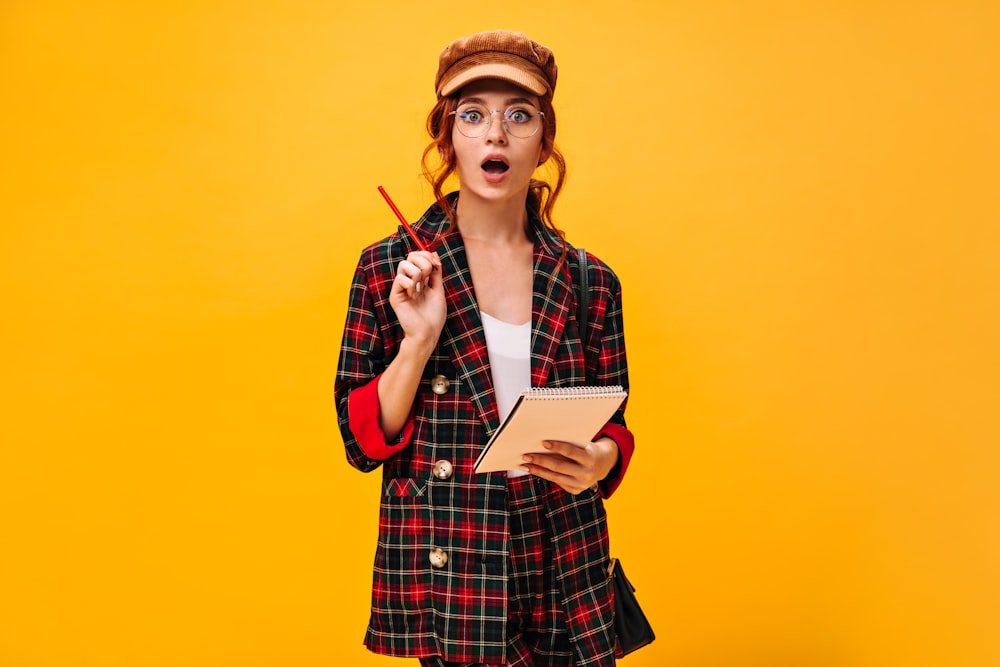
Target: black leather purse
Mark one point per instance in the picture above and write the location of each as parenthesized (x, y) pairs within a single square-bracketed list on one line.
[(632, 629)]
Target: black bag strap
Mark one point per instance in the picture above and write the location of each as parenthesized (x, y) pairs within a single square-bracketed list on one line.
[(583, 297), (582, 300)]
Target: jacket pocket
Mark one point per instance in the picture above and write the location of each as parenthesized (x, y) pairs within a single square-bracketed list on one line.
[(401, 577), (403, 487)]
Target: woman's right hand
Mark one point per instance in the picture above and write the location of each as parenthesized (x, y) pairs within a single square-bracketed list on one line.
[(417, 297)]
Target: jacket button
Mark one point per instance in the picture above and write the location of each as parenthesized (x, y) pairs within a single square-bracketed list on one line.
[(438, 558), (440, 384), (443, 469)]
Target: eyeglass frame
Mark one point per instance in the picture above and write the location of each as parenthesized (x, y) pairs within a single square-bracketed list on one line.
[(503, 119)]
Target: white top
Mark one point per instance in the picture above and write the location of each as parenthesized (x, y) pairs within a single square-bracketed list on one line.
[(509, 349)]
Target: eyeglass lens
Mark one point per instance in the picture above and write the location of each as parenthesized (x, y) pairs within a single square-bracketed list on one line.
[(474, 120)]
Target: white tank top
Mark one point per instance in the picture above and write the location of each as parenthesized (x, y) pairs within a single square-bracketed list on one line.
[(509, 349)]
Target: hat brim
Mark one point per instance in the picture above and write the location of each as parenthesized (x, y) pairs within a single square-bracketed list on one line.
[(501, 71)]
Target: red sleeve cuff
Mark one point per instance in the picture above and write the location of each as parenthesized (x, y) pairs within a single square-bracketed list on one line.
[(626, 445), (363, 420)]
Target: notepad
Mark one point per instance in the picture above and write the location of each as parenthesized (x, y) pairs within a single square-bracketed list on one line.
[(570, 414)]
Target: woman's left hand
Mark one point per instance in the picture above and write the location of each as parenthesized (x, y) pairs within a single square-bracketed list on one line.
[(573, 468)]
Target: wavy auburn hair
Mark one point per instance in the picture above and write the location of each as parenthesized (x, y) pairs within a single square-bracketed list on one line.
[(541, 195)]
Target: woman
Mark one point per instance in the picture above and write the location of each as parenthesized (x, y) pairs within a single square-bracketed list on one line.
[(497, 568)]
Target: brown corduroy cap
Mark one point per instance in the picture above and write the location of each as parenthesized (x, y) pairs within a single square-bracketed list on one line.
[(498, 54)]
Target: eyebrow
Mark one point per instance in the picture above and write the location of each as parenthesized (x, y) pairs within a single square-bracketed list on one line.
[(509, 101)]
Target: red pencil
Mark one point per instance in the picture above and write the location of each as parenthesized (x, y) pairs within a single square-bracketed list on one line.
[(406, 225)]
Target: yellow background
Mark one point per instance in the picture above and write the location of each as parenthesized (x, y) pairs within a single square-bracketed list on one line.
[(801, 199)]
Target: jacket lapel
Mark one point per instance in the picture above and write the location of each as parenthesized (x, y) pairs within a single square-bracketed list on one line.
[(551, 301), (463, 337)]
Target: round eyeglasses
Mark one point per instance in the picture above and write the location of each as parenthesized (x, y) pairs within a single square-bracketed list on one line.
[(521, 121)]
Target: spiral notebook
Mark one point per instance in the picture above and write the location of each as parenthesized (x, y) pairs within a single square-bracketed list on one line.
[(570, 414)]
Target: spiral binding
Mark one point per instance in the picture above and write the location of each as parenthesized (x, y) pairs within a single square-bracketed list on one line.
[(571, 392)]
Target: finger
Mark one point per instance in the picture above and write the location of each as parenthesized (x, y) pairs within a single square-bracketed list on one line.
[(420, 265), (429, 262), (554, 462), (424, 261), (570, 483), (405, 284), (424, 276), (407, 280), (409, 277), (431, 256), (567, 449), (406, 268), (405, 272)]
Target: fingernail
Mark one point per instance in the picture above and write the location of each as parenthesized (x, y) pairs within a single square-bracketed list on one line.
[(526, 459), (547, 444)]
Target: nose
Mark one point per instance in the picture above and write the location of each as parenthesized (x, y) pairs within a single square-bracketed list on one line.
[(496, 133)]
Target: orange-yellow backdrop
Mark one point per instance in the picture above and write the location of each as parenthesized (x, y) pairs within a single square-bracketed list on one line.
[(801, 199)]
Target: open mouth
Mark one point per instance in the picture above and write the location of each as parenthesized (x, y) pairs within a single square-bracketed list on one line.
[(495, 167)]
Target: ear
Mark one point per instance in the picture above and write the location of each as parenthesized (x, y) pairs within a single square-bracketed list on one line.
[(544, 154)]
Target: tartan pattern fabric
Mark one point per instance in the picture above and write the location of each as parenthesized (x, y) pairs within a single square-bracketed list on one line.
[(460, 611), (538, 636), (535, 606)]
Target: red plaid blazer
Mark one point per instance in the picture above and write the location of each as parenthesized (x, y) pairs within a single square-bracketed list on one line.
[(459, 611)]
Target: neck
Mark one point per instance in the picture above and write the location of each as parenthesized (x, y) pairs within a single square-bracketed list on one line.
[(495, 221)]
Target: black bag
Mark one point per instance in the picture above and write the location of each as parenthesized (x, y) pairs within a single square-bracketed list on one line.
[(632, 630)]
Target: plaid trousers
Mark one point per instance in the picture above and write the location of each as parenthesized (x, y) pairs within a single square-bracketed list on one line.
[(536, 619)]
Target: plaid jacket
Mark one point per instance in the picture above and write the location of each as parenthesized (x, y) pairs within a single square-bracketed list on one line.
[(459, 611)]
